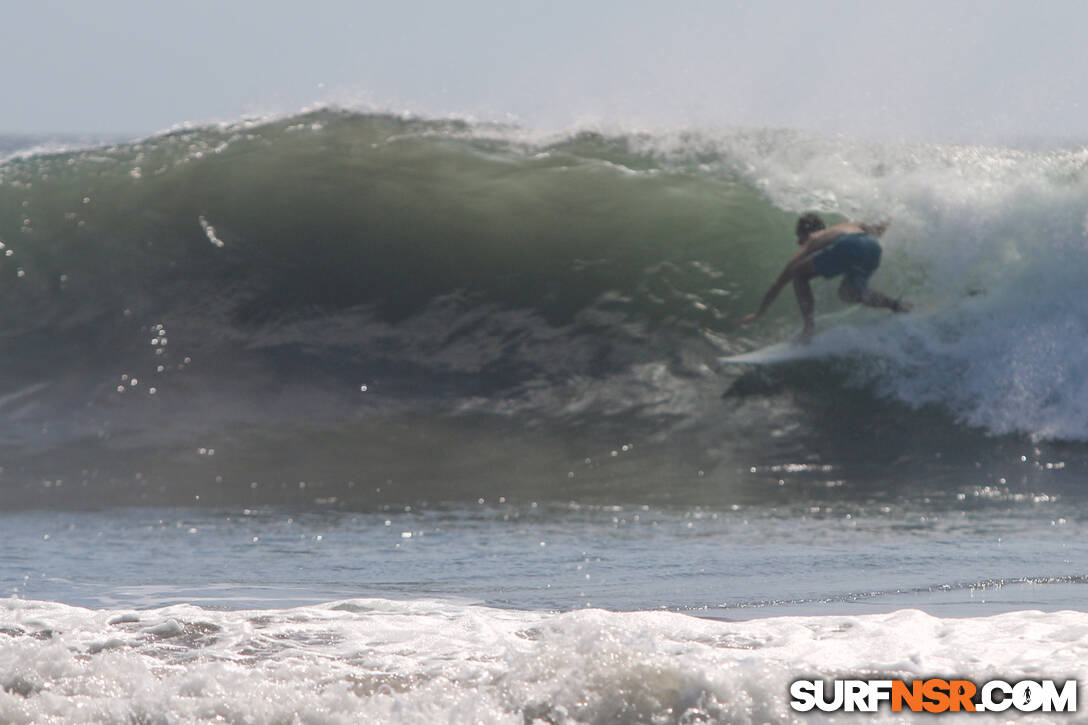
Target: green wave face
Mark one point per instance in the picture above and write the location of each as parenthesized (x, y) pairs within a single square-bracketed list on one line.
[(330, 211)]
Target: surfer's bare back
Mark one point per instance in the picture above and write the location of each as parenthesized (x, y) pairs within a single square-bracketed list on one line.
[(850, 249)]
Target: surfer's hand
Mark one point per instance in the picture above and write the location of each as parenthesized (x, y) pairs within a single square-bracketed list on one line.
[(748, 319)]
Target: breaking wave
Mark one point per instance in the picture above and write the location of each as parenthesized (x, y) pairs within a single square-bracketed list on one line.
[(362, 274)]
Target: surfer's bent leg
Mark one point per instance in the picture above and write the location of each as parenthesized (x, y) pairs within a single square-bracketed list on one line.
[(848, 292), (803, 289), (870, 298)]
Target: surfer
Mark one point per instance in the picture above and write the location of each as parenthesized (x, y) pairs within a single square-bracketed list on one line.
[(850, 249)]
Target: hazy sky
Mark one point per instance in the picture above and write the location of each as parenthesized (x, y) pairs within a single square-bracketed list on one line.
[(947, 70)]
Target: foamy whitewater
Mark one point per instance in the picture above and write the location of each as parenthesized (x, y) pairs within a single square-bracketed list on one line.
[(394, 662), (353, 417)]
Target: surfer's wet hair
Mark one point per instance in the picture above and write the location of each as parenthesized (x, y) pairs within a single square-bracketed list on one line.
[(807, 224)]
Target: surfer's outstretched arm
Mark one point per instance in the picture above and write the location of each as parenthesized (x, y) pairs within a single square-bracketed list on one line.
[(789, 272), (771, 295)]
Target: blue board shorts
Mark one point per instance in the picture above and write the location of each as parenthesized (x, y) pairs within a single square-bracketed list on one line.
[(855, 256)]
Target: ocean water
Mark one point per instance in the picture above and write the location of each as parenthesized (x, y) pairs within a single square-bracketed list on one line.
[(348, 417)]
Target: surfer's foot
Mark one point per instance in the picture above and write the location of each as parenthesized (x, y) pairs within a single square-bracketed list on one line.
[(899, 306), (805, 338)]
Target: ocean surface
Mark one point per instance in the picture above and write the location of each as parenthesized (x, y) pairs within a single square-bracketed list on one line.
[(351, 417)]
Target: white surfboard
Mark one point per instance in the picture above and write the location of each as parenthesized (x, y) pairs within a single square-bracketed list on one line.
[(784, 352), (771, 355)]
